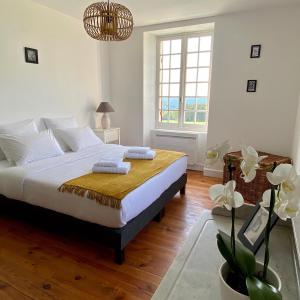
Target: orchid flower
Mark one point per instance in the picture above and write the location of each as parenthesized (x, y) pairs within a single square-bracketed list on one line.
[(288, 209), (225, 195), (250, 163), (284, 175), (286, 204), (216, 153), (287, 197)]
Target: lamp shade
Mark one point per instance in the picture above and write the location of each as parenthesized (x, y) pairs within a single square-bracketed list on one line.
[(104, 107), (107, 21)]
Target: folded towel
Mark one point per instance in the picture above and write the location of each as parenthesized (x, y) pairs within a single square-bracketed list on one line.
[(108, 163), (150, 154), (141, 150), (123, 168)]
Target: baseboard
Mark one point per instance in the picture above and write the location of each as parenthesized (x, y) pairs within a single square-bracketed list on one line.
[(195, 167), (212, 173)]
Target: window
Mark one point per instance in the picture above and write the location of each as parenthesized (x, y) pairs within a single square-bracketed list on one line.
[(184, 65)]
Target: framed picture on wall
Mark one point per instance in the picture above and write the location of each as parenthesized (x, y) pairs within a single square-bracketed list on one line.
[(251, 86), (31, 55), (255, 51), (252, 233)]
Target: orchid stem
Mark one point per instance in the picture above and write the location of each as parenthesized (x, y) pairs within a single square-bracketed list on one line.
[(230, 169), (233, 231), (267, 236), (268, 230)]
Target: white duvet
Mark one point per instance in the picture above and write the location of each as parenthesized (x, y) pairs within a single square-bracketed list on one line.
[(37, 184)]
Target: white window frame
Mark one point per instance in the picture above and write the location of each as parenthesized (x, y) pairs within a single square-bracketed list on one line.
[(181, 125)]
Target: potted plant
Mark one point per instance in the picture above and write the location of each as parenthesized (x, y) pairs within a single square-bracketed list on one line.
[(241, 277)]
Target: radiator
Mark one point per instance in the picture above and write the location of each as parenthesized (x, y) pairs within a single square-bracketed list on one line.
[(192, 143)]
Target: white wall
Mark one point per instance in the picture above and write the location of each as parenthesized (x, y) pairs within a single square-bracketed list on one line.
[(296, 142), (296, 161), (149, 86), (264, 119), (127, 87), (65, 82)]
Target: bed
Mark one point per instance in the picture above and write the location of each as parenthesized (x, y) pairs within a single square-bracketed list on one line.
[(37, 184)]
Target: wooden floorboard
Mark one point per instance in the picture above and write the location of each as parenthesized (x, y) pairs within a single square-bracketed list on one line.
[(38, 264)]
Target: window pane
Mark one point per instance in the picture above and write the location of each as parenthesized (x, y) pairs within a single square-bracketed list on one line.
[(205, 43), (191, 75), (196, 65), (173, 117), (204, 59), (164, 116), (175, 76), (202, 103), (165, 75), (190, 103), (165, 90), (175, 61), (202, 89), (201, 117), (189, 117), (164, 103), (174, 103), (193, 44), (192, 60), (174, 89), (203, 74), (166, 47), (190, 89), (176, 46), (166, 62)]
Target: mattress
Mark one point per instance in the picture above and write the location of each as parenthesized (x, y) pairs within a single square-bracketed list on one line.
[(37, 184)]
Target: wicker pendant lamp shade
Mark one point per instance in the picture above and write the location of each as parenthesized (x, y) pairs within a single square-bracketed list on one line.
[(107, 21)]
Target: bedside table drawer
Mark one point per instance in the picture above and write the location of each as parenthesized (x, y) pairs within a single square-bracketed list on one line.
[(111, 135)]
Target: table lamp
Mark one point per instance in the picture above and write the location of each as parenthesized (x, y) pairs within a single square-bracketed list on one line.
[(105, 108)]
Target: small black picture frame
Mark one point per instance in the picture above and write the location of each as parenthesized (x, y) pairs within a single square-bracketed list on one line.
[(252, 233), (255, 51), (251, 86), (31, 55)]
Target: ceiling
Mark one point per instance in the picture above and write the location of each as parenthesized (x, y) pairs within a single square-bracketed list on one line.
[(161, 11)]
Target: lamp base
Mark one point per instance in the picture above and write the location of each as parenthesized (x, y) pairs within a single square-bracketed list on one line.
[(105, 121)]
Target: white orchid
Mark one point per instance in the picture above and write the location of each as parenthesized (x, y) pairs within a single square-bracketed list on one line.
[(266, 198), (288, 209), (286, 204), (250, 163), (287, 197), (284, 175), (225, 195), (216, 153)]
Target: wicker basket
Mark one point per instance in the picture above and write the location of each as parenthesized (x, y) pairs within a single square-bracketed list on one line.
[(252, 191)]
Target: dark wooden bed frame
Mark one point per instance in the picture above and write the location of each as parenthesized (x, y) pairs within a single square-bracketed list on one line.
[(117, 238)]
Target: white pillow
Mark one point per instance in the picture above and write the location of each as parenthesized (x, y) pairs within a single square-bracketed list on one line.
[(23, 149), (79, 138), (60, 123), (23, 127)]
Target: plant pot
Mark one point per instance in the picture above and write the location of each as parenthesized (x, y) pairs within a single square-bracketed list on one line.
[(228, 293)]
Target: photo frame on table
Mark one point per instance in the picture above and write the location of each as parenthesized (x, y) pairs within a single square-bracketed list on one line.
[(31, 55), (251, 86), (252, 233), (255, 51)]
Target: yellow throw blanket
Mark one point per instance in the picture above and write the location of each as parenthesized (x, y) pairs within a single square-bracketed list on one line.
[(110, 189)]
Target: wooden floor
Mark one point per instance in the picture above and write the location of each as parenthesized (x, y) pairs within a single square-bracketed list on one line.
[(39, 264)]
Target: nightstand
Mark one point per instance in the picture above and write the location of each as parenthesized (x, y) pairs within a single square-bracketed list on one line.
[(108, 136)]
